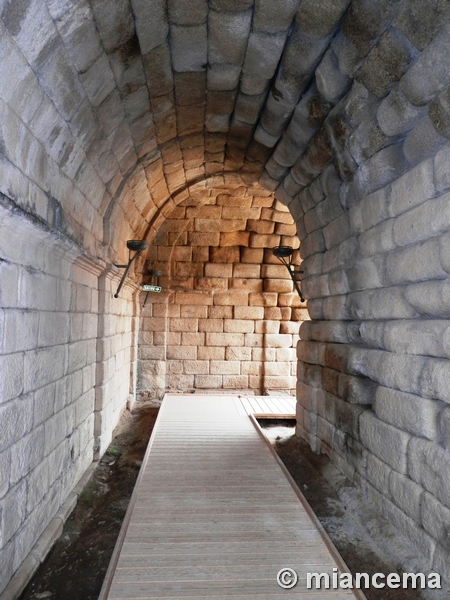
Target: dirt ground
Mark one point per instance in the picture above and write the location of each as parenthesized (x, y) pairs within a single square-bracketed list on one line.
[(76, 566)]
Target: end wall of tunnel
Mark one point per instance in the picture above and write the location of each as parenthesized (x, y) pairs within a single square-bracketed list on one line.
[(133, 120)]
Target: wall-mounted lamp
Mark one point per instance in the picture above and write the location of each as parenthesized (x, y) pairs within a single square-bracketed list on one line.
[(136, 246), (284, 254), (151, 287)]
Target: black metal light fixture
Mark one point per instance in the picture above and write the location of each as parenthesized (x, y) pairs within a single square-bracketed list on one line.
[(153, 285), (284, 254), (136, 246)]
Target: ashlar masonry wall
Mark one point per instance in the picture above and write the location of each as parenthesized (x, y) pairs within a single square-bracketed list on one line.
[(369, 191), (66, 376), (228, 317)]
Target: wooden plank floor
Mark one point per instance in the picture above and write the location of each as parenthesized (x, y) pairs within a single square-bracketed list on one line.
[(213, 515)]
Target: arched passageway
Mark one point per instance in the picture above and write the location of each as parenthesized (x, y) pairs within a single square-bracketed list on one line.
[(324, 123)]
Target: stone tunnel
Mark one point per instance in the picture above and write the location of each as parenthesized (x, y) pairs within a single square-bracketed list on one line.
[(215, 131)]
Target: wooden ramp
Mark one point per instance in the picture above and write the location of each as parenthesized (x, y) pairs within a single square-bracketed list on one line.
[(214, 515)]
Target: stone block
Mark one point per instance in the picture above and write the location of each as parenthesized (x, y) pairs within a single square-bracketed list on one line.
[(238, 354), (26, 454), (356, 390), (225, 339), (193, 14), (225, 367), (425, 337), (223, 77), (196, 367), (439, 113), (423, 141), (420, 22), (427, 465), (249, 312), (263, 54), (416, 263), (378, 473), (406, 494), (441, 172), (331, 83), (11, 382), (348, 56), (436, 519), (396, 115), (429, 74), (228, 35), (413, 188), (189, 48), (386, 63), (444, 427), (98, 81), (14, 510), (272, 17), (319, 19), (379, 170), (422, 222), (385, 441), (239, 325), (274, 340), (364, 23), (231, 5), (223, 270), (433, 377), (208, 381), (233, 382), (152, 25), (408, 412)]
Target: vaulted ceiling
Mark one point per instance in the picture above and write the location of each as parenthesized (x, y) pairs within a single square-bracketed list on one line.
[(117, 110)]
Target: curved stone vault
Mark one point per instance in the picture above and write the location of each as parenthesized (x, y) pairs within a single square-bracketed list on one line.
[(216, 130)]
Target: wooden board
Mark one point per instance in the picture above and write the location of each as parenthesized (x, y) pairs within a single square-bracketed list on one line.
[(214, 515)]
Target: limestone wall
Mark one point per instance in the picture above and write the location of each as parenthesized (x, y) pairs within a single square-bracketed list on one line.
[(228, 317), (65, 376), (369, 190)]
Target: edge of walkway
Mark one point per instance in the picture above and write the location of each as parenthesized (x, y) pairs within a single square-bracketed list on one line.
[(326, 538), (107, 582)]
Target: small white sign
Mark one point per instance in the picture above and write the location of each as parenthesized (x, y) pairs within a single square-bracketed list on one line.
[(151, 288)]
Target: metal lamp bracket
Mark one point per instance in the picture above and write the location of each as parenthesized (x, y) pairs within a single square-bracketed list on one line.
[(284, 255), (136, 246)]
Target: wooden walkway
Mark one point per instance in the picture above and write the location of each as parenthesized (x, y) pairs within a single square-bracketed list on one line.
[(214, 515)]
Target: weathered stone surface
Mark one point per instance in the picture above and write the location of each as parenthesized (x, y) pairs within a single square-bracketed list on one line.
[(436, 519), (387, 442), (263, 54), (273, 16), (439, 113), (396, 114), (77, 28), (428, 464), (364, 22), (115, 22), (318, 19), (415, 263), (301, 56), (382, 168), (412, 189), (408, 412), (231, 5), (406, 494), (152, 25), (386, 63), (158, 70), (98, 81), (429, 74), (193, 14), (223, 77), (331, 83), (228, 35), (189, 48), (423, 141), (420, 22), (348, 56)]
